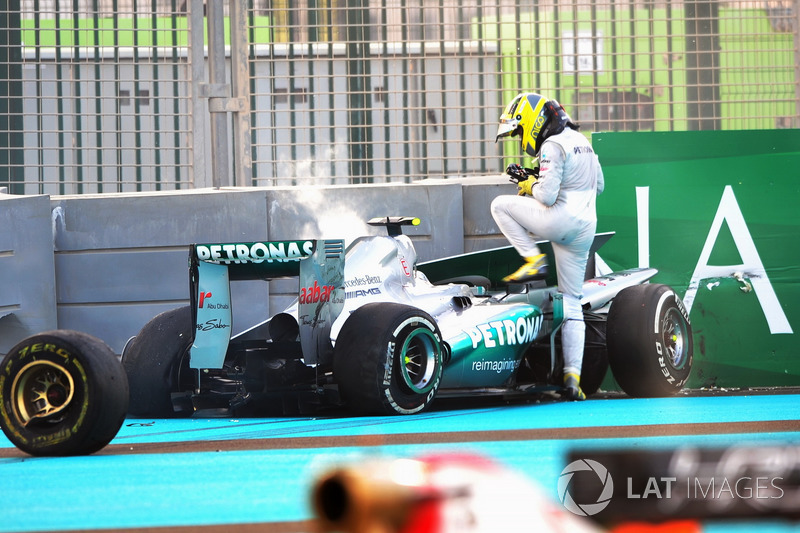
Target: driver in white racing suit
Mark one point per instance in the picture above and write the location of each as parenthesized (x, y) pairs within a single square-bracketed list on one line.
[(558, 205)]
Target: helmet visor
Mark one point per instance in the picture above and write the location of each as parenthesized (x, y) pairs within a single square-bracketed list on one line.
[(508, 128)]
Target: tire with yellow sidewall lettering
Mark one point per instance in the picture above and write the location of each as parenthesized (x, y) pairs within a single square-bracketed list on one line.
[(62, 392)]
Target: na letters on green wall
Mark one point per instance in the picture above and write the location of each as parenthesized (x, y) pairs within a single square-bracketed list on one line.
[(718, 214)]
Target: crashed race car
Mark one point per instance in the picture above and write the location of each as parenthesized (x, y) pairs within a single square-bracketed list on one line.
[(376, 332), (372, 331)]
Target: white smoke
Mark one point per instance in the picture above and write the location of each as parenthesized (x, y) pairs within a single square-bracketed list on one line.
[(331, 220)]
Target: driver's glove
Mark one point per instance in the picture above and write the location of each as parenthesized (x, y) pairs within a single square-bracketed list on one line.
[(516, 173), (525, 188), (524, 178)]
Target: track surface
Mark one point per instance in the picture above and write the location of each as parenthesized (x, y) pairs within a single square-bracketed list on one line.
[(223, 474)]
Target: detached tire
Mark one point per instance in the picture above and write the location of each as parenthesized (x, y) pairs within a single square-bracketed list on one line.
[(649, 340), (62, 392), (153, 361), (388, 359)]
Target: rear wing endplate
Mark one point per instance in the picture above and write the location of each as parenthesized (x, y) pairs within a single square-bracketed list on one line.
[(319, 265)]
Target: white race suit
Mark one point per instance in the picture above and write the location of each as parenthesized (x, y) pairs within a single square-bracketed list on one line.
[(563, 211)]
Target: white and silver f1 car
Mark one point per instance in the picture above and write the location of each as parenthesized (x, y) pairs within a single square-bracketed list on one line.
[(376, 331), (372, 330)]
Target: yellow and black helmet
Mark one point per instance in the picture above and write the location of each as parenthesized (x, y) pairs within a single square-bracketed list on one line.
[(534, 118)]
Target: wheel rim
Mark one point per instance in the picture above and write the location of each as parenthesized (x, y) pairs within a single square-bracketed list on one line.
[(674, 338), (41, 390), (419, 360)]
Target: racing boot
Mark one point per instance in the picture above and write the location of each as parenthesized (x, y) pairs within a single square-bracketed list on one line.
[(535, 267), (572, 387)]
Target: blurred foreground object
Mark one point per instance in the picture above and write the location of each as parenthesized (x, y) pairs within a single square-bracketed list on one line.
[(450, 493)]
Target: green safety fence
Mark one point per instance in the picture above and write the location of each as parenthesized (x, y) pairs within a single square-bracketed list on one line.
[(717, 213)]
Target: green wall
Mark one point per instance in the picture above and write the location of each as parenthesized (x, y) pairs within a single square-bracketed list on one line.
[(748, 182)]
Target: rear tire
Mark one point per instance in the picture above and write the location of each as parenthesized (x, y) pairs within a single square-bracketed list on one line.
[(388, 359), (153, 361), (62, 392), (649, 340)]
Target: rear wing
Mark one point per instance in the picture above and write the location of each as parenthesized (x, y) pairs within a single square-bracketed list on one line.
[(319, 265)]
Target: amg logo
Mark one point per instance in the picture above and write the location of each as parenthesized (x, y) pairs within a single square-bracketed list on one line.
[(363, 292)]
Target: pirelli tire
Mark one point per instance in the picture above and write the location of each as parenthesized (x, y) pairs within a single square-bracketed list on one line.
[(156, 361), (388, 359), (649, 338), (62, 393)]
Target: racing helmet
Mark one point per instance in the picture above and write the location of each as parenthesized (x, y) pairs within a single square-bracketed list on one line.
[(534, 118)]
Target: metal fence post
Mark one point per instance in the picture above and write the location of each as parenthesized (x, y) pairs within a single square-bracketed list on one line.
[(223, 97), (240, 84), (217, 93), (197, 59)]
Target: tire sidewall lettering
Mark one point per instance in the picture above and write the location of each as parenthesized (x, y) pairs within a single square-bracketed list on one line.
[(76, 414), (667, 302), (388, 365), (388, 386), (432, 392), (662, 299), (5, 406)]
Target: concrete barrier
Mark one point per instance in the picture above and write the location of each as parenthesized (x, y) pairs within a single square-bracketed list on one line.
[(27, 275), (106, 264)]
